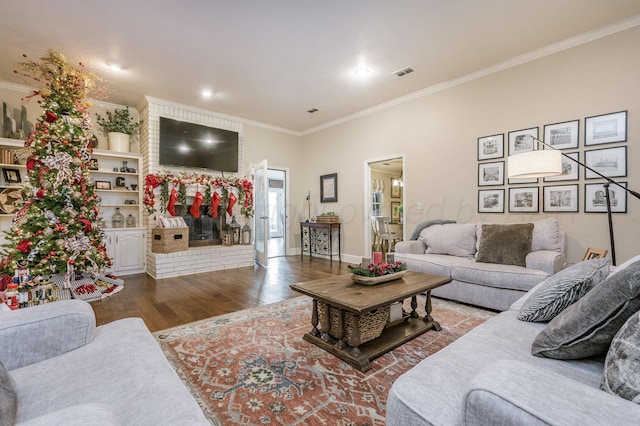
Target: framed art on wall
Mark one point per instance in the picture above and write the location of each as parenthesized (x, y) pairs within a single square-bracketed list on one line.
[(569, 168), (395, 212), (524, 200), (611, 162), (491, 174), (491, 201), (490, 147), (562, 135), (596, 202), (518, 181), (329, 188), (396, 188), (560, 198), (520, 140), (606, 128)]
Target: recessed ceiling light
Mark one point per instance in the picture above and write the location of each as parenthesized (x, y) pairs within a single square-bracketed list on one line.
[(362, 72), (206, 93), (113, 66)]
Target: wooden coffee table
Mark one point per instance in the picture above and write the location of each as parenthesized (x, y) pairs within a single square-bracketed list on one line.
[(350, 320)]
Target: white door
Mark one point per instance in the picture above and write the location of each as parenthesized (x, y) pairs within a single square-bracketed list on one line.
[(261, 216)]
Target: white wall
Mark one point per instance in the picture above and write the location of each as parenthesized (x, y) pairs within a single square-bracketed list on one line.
[(438, 134)]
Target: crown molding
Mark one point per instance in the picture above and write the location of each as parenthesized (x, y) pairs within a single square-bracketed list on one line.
[(569, 43)]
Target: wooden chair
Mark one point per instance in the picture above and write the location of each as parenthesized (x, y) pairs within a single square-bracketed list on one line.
[(386, 238)]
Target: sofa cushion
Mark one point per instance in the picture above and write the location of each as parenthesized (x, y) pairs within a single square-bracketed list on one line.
[(505, 244), (546, 235), (455, 239), (587, 327), (8, 398), (499, 276), (621, 374), (438, 264), (563, 289)]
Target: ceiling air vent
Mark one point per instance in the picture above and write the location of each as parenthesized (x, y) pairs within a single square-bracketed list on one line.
[(404, 71), (312, 110)]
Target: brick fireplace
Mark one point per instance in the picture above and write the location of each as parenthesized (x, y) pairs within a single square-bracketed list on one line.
[(201, 257)]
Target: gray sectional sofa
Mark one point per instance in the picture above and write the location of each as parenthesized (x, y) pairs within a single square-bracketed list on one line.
[(450, 249), (490, 376), (67, 371)]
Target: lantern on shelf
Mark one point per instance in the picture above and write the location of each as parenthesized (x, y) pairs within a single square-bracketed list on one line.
[(234, 227), (246, 234)]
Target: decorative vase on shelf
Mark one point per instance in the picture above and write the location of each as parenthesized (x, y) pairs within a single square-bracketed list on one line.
[(130, 221), (117, 220), (118, 141)]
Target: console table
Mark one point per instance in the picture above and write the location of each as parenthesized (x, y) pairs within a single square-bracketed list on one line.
[(320, 238)]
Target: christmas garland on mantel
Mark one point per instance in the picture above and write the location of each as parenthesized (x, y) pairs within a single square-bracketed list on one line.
[(180, 182)]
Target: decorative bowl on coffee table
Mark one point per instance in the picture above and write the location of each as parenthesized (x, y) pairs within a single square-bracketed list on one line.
[(361, 279)]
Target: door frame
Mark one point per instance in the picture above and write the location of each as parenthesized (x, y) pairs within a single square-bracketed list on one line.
[(368, 194)]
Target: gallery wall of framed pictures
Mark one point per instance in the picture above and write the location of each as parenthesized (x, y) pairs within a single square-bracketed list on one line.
[(601, 146)]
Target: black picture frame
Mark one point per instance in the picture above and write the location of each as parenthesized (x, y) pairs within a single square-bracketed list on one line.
[(611, 162), (491, 174), (605, 128), (564, 135), (491, 147), (491, 201), (11, 176), (560, 198), (570, 169), (595, 201), (524, 199), (329, 188), (519, 141)]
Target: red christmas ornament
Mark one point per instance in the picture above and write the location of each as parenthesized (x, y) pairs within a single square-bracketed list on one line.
[(87, 225), (50, 116), (232, 202), (31, 163), (215, 203), (195, 207), (172, 202), (24, 246), (41, 193)]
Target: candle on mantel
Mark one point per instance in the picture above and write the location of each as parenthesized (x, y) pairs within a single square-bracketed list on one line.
[(377, 257)]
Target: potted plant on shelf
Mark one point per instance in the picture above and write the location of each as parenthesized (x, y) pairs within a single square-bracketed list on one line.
[(119, 126)]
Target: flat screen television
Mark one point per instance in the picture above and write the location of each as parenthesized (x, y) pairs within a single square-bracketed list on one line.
[(193, 145)]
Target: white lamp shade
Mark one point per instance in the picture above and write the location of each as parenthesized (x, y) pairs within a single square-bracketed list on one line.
[(535, 164)]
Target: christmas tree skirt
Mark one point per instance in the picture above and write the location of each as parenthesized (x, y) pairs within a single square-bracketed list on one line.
[(90, 288)]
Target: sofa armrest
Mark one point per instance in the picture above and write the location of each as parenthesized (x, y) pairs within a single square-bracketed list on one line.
[(410, 247), (512, 392), (31, 335), (546, 260)]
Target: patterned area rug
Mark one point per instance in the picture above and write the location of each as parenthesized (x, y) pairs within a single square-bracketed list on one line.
[(252, 367)]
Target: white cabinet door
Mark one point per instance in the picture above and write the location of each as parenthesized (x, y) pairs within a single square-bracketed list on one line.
[(129, 251), (125, 248)]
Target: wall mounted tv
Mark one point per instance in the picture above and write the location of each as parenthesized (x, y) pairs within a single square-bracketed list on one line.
[(192, 145)]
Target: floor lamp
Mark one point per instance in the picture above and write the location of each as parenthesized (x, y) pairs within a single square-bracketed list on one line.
[(548, 162)]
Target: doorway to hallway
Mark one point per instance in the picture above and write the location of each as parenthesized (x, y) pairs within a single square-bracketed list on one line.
[(277, 223)]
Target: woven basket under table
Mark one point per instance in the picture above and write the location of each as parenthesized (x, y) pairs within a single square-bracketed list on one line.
[(371, 323)]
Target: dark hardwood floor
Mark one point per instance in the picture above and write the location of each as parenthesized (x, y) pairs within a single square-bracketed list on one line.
[(170, 302)]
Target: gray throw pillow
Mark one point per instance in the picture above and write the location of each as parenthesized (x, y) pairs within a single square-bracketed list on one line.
[(621, 373), (8, 398), (505, 244), (587, 327), (563, 289)]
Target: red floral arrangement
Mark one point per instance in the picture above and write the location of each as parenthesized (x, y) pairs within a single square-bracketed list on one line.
[(376, 270)]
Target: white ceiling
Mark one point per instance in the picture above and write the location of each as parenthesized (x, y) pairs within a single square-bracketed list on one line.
[(272, 60)]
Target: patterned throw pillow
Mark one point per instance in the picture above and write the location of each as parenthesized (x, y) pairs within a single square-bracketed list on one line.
[(621, 374), (8, 397), (505, 244), (563, 289), (587, 327)]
